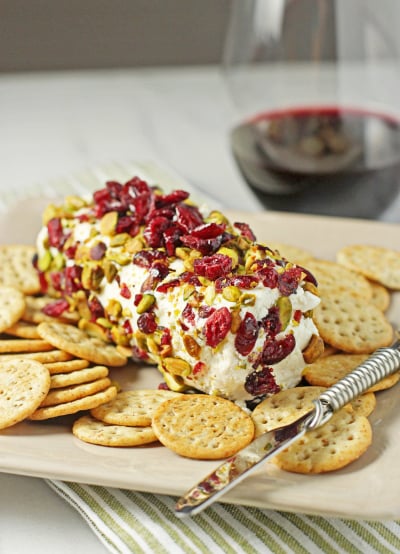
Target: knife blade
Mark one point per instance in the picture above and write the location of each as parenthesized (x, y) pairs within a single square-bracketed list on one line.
[(235, 469)]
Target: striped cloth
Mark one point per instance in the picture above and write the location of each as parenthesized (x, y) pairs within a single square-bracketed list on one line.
[(130, 522), (141, 523)]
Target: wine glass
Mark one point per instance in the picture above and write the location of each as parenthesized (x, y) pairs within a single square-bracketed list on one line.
[(316, 87)]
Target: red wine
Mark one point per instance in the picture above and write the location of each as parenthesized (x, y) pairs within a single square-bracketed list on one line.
[(328, 159)]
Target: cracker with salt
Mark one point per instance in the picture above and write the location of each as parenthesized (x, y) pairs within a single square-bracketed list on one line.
[(42, 357), (74, 392), (203, 427), (16, 268), (380, 296), (24, 345), (67, 366), (349, 323), (79, 376), (133, 407), (365, 404), (374, 262), (23, 386), (24, 330), (67, 408), (12, 305), (89, 429), (78, 343), (337, 443), (331, 275)]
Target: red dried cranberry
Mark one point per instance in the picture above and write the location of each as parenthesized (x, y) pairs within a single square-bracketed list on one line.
[(56, 232), (127, 224), (71, 251), (145, 258), (56, 308), (276, 350), (217, 326), (95, 307), (72, 282), (172, 239), (153, 233), (139, 353), (261, 382), (208, 231), (57, 280), (205, 311), (288, 281), (173, 197), (164, 212), (271, 322), (308, 276), (125, 291), (187, 217), (127, 327), (247, 334), (245, 231), (97, 251), (204, 246), (188, 314), (44, 285), (241, 281), (199, 367), (213, 267), (297, 315), (191, 278), (147, 323), (163, 386), (137, 299), (166, 338), (165, 287)]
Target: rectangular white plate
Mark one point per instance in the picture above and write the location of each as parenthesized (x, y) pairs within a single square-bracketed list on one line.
[(367, 489)]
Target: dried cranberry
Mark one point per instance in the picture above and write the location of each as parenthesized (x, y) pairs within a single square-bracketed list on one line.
[(173, 197), (95, 307), (57, 280), (247, 334), (213, 267), (308, 276), (125, 291), (163, 386), (165, 287), (205, 311), (56, 232), (147, 323), (127, 327), (56, 308), (139, 353), (217, 326), (187, 217), (71, 251), (208, 231), (137, 299), (297, 315), (288, 281), (191, 278), (276, 350), (127, 224), (153, 232), (261, 382), (204, 246), (97, 251), (271, 322), (241, 281), (199, 367), (166, 338), (245, 231), (172, 239), (72, 282), (44, 285), (145, 258), (188, 314)]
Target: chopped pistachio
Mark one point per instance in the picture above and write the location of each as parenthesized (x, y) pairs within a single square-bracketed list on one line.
[(74, 202), (110, 270), (119, 240), (108, 223), (177, 366), (191, 346), (174, 382), (121, 258), (114, 308), (58, 261), (119, 336), (126, 312), (93, 330), (231, 253), (44, 261), (248, 299), (285, 311), (231, 293), (188, 290), (145, 303), (209, 294), (92, 276)]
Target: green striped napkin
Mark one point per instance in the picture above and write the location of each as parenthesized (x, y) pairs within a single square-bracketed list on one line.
[(127, 521)]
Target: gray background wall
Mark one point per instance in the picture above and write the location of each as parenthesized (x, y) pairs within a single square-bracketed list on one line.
[(63, 34)]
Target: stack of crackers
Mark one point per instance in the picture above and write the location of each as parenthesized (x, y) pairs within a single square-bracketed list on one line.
[(50, 368)]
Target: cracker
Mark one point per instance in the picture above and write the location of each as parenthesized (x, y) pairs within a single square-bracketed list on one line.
[(374, 262), (42, 357), (76, 377), (67, 366), (284, 407), (16, 268), (89, 429), (342, 440), (77, 342), (24, 330), (23, 386), (365, 404), (349, 323), (331, 275), (67, 408), (291, 253), (203, 427), (12, 305), (73, 392), (325, 372), (24, 345), (133, 407), (33, 311), (380, 296)]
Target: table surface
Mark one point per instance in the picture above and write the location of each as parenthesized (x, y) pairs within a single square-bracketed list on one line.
[(55, 124)]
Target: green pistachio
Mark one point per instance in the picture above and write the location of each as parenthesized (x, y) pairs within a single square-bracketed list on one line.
[(231, 293), (145, 303), (44, 261)]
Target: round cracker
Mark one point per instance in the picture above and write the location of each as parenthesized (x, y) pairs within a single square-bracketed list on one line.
[(67, 408), (133, 407), (73, 392), (325, 372), (284, 407), (42, 357), (374, 262), (295, 254), (349, 323), (33, 312), (89, 429), (77, 377), (331, 275), (67, 366), (77, 342), (365, 404), (16, 268), (12, 305), (380, 296), (202, 426), (24, 345), (24, 330), (23, 386), (342, 440)]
